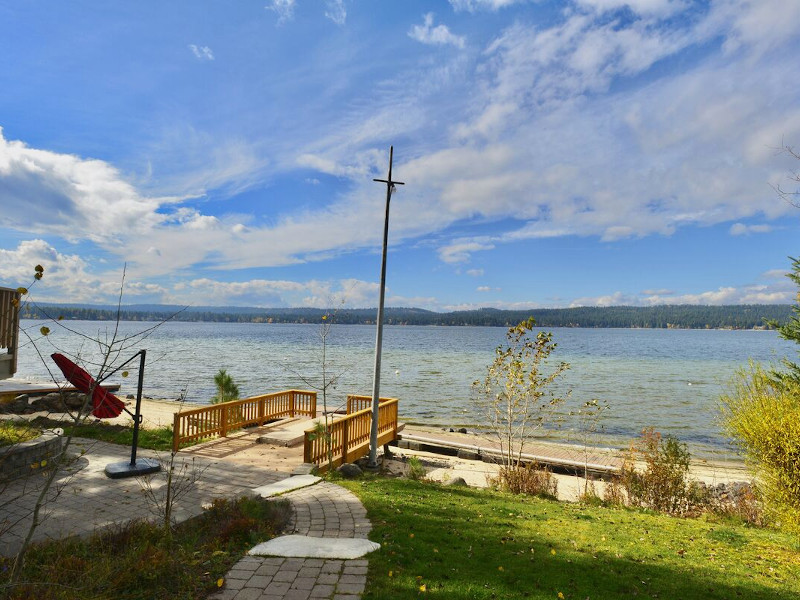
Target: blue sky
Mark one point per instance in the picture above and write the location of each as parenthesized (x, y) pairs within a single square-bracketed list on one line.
[(589, 152)]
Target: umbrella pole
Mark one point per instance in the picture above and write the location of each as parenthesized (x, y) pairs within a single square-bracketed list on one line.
[(137, 418), (136, 466)]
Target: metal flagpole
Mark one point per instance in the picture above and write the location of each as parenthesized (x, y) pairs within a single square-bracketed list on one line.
[(376, 382)]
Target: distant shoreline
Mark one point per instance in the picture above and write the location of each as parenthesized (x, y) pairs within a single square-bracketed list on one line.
[(677, 316)]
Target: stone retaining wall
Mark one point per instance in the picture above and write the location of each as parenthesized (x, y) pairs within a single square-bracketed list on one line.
[(29, 457)]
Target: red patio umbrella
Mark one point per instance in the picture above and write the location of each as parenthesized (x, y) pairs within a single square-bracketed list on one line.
[(105, 405)]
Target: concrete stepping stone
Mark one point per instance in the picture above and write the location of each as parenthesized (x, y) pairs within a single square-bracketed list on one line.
[(286, 485), (300, 546)]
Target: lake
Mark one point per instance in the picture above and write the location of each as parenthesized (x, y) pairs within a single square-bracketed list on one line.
[(667, 379)]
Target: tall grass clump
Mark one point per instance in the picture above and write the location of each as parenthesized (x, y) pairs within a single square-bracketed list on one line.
[(529, 479), (762, 415)]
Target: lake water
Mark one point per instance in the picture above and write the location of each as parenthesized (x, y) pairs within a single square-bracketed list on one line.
[(668, 379)]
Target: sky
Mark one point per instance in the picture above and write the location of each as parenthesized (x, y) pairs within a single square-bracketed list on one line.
[(554, 154)]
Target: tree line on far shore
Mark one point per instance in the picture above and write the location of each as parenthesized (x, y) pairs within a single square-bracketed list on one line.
[(683, 316)]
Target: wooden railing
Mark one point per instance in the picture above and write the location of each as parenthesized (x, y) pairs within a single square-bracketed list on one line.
[(220, 419), (9, 331), (356, 403), (349, 435)]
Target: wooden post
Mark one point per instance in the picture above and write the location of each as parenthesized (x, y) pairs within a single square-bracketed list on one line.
[(307, 449), (291, 403), (224, 424), (345, 438), (176, 422), (261, 411)]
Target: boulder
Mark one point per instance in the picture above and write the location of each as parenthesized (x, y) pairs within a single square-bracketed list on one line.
[(349, 471), (74, 399), (455, 482)]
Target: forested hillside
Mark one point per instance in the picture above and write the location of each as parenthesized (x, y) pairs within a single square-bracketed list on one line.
[(692, 316)]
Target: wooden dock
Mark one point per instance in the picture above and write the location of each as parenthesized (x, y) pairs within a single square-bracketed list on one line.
[(562, 458), (11, 388)]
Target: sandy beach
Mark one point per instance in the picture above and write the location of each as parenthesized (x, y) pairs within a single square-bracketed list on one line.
[(242, 448)]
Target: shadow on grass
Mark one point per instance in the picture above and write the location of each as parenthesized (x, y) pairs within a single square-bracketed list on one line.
[(468, 544)]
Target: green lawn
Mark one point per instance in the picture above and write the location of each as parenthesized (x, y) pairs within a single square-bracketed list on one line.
[(465, 543), (152, 439), (14, 432)]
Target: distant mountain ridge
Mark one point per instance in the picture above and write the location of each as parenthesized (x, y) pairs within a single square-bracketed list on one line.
[(685, 316)]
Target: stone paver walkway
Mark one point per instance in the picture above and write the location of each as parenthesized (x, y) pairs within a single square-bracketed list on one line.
[(83, 499), (321, 510)]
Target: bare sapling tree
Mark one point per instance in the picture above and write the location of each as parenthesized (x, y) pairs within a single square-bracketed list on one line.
[(165, 489), (516, 397), (325, 382), (109, 351), (589, 416)]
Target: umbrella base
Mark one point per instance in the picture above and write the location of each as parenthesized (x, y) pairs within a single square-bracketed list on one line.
[(142, 466)]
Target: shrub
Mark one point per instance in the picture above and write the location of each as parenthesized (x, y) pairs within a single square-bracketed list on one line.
[(416, 470), (763, 416), (736, 500), (614, 494), (526, 479), (663, 485)]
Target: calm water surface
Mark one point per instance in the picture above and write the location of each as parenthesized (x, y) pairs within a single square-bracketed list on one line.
[(668, 379)]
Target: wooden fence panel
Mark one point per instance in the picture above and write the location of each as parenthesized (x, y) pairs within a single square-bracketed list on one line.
[(9, 330), (349, 435), (356, 403), (219, 419)]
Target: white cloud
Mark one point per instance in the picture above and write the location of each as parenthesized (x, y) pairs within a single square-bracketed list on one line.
[(475, 272), (778, 292), (688, 148), (202, 52), (283, 8), (343, 293), (775, 274), (460, 250), (67, 277), (474, 6), (615, 299), (742, 229), (70, 196), (336, 11), (499, 304), (362, 166), (660, 292), (660, 8), (439, 35)]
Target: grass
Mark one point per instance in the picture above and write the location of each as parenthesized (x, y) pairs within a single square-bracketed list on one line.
[(139, 561), (152, 439), (464, 543), (16, 432)]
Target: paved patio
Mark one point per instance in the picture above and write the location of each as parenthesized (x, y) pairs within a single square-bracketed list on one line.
[(85, 500)]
